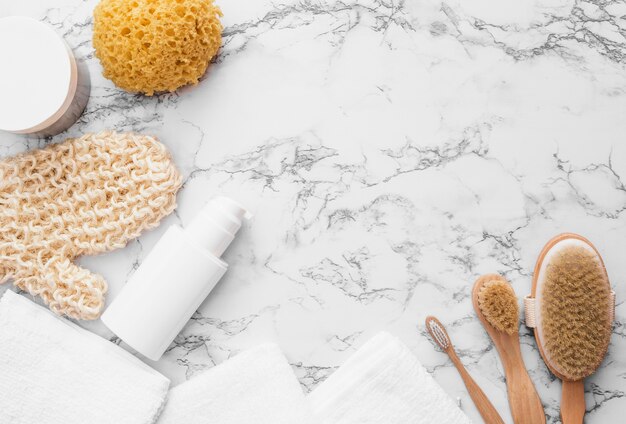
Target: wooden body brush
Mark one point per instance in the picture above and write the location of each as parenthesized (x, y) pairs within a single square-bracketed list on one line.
[(485, 407), (496, 306), (571, 308)]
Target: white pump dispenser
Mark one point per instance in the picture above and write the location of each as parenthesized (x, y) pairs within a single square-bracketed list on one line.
[(174, 279)]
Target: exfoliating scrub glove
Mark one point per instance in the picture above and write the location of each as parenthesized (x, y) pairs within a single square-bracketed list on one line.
[(80, 197)]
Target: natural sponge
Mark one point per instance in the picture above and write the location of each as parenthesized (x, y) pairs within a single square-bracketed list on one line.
[(81, 197), (150, 46)]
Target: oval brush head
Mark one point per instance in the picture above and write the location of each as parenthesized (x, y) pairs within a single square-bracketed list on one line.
[(574, 305), (498, 303)]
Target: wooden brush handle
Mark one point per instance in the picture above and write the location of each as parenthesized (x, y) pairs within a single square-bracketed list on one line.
[(484, 406), (573, 402), (524, 401)]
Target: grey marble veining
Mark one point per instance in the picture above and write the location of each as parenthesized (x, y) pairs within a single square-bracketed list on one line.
[(391, 151)]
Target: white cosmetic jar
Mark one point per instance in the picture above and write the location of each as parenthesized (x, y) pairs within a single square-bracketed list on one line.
[(43, 88)]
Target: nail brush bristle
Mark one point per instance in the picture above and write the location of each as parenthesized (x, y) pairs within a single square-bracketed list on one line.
[(498, 303)]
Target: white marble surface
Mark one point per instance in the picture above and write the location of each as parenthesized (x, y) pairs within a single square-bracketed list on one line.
[(391, 151)]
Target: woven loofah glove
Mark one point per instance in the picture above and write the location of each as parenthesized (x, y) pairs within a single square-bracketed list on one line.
[(80, 197)]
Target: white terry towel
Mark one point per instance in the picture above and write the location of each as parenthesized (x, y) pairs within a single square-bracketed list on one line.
[(53, 372), (255, 387), (383, 382)]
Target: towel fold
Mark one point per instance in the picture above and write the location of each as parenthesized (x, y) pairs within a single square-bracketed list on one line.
[(53, 372), (256, 386), (383, 382)]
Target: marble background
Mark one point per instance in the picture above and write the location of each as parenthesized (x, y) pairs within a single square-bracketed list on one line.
[(391, 152)]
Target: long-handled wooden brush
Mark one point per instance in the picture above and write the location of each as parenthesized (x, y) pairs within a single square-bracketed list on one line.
[(484, 406), (495, 304), (572, 310)]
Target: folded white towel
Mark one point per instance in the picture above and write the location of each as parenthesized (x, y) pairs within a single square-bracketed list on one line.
[(256, 386), (383, 382), (53, 372)]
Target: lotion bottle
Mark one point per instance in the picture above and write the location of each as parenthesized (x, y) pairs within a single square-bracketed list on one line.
[(174, 279)]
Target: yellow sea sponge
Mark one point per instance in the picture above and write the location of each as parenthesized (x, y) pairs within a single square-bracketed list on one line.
[(150, 46)]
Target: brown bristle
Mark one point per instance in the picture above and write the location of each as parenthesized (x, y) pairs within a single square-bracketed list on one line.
[(575, 312), (498, 303)]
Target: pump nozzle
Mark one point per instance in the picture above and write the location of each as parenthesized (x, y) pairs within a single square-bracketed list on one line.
[(214, 228)]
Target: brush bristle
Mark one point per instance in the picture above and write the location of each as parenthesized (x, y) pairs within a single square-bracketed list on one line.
[(575, 312), (498, 303), (438, 334)]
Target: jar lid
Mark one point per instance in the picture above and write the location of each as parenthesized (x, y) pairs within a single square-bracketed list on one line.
[(38, 76)]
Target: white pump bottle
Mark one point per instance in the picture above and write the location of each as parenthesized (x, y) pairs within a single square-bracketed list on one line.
[(174, 279)]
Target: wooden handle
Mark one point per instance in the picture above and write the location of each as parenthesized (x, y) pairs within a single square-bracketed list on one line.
[(526, 407), (485, 407), (573, 402)]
